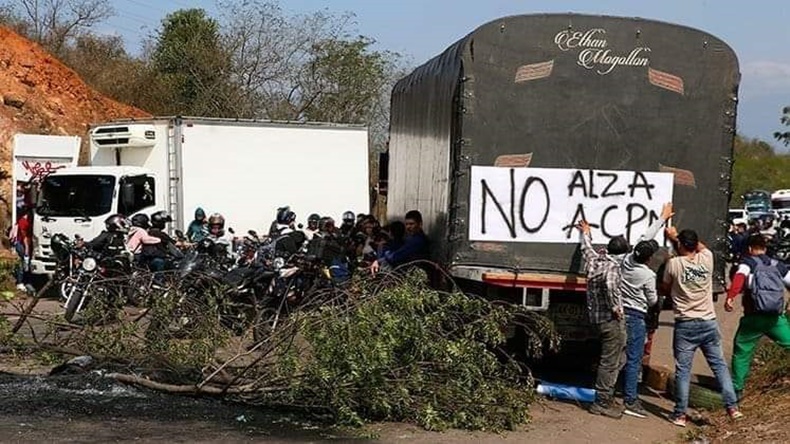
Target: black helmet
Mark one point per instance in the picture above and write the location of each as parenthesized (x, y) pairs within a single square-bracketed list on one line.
[(325, 224), (116, 223), (285, 216), (349, 217), (313, 219), (160, 218), (60, 246), (141, 220)]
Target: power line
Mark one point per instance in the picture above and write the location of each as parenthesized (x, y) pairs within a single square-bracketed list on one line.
[(155, 6), (136, 17)]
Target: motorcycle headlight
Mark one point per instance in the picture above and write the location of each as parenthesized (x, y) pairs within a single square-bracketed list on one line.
[(89, 264), (278, 263)]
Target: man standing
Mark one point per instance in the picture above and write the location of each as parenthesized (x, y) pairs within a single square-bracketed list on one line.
[(689, 279), (605, 312), (639, 293), (763, 307), (20, 237)]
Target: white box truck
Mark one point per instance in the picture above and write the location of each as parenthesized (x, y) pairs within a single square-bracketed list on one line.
[(37, 156), (244, 170)]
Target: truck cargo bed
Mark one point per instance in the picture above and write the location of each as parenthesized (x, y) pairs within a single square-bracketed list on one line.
[(564, 91)]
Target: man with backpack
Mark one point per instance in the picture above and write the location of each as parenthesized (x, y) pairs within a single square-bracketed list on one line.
[(763, 281)]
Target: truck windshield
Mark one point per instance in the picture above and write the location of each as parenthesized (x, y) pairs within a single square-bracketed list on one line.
[(76, 196), (757, 208), (781, 204)]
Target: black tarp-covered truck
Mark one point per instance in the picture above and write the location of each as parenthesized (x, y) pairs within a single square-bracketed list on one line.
[(483, 135)]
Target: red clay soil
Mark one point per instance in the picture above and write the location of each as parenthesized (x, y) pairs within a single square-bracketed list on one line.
[(41, 95)]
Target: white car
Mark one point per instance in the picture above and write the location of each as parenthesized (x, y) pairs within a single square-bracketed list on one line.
[(736, 213)]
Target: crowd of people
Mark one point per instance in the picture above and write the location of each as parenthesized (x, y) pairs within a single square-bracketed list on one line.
[(360, 240), (774, 231), (622, 288)]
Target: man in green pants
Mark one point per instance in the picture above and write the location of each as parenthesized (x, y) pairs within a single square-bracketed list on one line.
[(763, 281)]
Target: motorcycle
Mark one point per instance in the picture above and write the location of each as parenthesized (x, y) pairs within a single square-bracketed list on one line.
[(84, 277), (199, 273), (293, 280), (246, 248), (780, 247)]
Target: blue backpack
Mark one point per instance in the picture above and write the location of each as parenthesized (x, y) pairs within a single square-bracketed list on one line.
[(767, 288)]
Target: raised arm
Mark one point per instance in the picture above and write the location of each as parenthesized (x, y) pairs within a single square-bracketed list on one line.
[(588, 251), (666, 213)]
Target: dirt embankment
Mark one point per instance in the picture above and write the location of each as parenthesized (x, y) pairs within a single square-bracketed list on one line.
[(41, 95)]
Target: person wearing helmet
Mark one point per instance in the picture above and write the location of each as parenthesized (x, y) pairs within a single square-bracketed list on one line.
[(113, 239), (312, 226), (348, 224), (198, 228), (284, 223), (326, 228), (216, 232), (160, 219), (138, 235), (157, 254), (216, 227), (273, 227)]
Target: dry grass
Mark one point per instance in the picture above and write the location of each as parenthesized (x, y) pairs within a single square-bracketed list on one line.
[(766, 403)]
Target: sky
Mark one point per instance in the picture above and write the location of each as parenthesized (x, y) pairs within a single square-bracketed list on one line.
[(757, 30)]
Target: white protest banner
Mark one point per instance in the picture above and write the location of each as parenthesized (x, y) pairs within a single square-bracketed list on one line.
[(544, 204)]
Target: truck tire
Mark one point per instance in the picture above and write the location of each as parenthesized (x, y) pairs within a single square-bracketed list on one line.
[(699, 397)]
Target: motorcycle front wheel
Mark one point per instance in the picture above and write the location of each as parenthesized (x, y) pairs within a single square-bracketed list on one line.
[(73, 301)]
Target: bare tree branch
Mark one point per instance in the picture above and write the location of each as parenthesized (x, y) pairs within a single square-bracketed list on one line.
[(55, 23)]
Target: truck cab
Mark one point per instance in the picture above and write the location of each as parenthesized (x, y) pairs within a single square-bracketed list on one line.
[(76, 201), (780, 202), (758, 205)]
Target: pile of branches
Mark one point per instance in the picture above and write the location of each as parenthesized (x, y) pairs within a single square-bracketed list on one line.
[(385, 349)]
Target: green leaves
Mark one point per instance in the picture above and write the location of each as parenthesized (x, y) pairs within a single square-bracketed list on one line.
[(784, 136), (757, 167), (411, 353), (191, 61)]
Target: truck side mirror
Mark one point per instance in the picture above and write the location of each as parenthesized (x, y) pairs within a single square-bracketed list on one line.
[(127, 195)]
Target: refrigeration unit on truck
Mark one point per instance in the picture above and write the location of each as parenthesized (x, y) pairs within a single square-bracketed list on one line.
[(532, 122), (243, 170)]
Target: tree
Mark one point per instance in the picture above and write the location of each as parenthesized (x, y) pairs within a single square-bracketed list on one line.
[(784, 136), (757, 166), (55, 23), (346, 80), (308, 67), (103, 63), (194, 65)]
